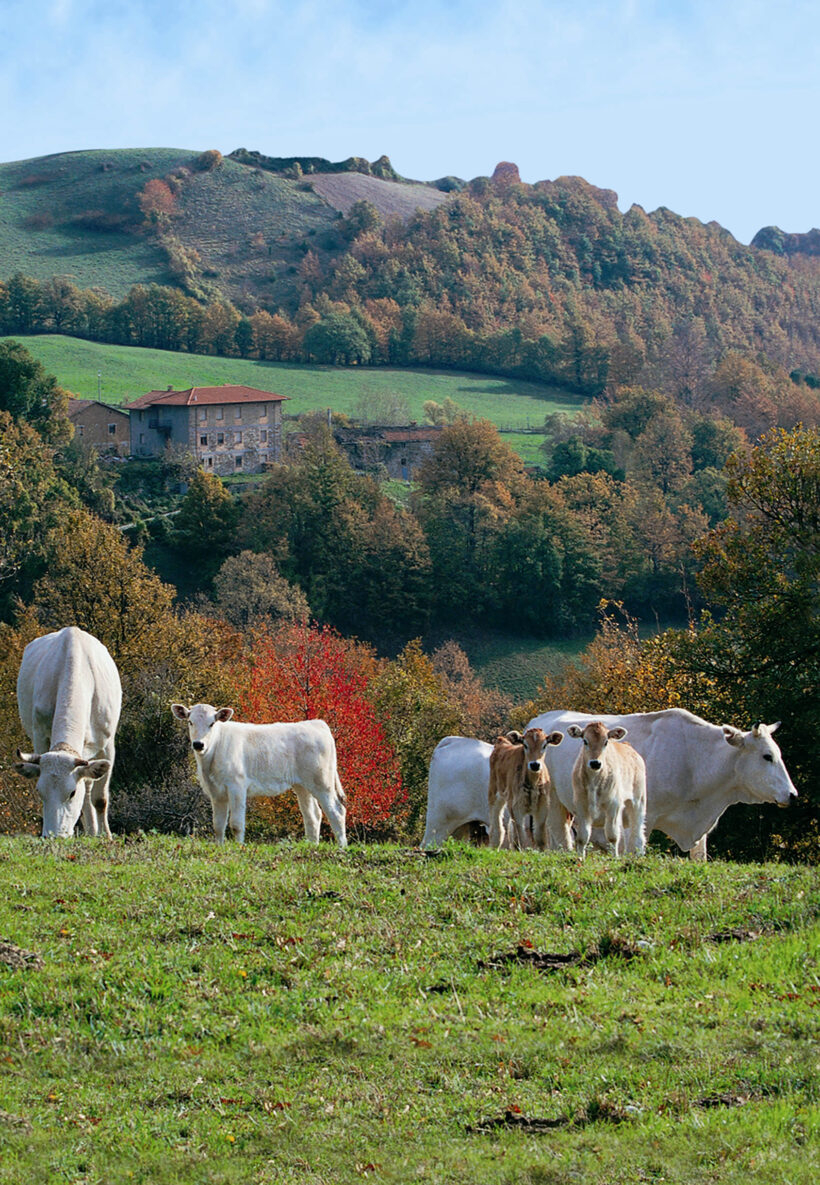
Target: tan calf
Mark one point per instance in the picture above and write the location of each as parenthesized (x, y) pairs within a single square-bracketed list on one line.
[(609, 789), (519, 781)]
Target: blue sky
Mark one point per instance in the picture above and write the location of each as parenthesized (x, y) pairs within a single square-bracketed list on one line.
[(708, 107)]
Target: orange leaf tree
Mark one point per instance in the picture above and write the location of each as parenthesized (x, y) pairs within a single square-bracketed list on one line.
[(306, 672)]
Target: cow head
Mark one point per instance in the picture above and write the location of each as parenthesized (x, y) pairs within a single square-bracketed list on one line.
[(535, 743), (759, 764), (61, 778), (596, 736), (201, 720)]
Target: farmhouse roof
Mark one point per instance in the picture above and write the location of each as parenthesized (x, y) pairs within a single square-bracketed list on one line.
[(197, 396), (75, 406)]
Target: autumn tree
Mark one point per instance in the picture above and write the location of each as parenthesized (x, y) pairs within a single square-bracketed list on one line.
[(205, 527), (306, 673), (33, 500), (28, 393), (250, 590)]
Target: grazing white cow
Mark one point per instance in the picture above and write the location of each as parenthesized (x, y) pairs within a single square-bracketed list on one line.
[(609, 789), (69, 696), (694, 771), (235, 761), (457, 786), (520, 783)]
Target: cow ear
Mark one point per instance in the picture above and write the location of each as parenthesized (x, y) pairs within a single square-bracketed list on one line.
[(515, 736), (180, 711), (617, 734), (28, 769), (575, 731), (774, 727), (555, 738), (92, 769), (224, 714), (733, 735)]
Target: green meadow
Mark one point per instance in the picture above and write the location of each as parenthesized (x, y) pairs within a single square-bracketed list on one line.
[(121, 373), (173, 1012)]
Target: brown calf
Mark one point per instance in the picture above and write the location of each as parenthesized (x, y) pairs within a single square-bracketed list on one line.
[(520, 782)]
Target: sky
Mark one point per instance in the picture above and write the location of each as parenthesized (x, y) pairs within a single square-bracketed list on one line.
[(707, 107)]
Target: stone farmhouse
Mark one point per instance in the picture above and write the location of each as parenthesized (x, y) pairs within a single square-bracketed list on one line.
[(399, 450), (106, 428), (229, 429)]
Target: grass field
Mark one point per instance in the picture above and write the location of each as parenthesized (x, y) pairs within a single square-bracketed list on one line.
[(127, 371), (175, 1012)]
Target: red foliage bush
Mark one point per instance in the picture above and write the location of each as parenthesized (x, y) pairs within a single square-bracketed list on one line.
[(304, 673)]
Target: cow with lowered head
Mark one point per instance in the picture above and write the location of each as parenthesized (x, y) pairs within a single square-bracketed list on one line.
[(69, 696)]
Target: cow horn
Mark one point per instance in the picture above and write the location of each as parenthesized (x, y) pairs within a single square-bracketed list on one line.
[(29, 758)]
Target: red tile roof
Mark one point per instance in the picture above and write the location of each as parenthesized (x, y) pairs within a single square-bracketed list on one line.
[(75, 406), (197, 396)]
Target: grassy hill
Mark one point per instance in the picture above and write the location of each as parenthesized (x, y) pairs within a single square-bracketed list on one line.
[(126, 372), (76, 214), (172, 1011)]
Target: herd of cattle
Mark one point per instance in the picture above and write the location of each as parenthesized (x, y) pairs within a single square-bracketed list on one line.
[(677, 773)]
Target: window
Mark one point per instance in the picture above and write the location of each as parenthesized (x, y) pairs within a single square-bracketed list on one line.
[(238, 461), (80, 430), (237, 415), (208, 462), (220, 413), (237, 437), (203, 415), (142, 438), (220, 438), (263, 412), (112, 429), (203, 439), (263, 436)]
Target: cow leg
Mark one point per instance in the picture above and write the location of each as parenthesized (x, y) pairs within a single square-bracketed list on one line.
[(237, 800), (698, 852), (497, 831), (613, 830), (524, 832), (219, 813), (334, 812), (90, 826), (311, 813), (98, 796), (559, 821)]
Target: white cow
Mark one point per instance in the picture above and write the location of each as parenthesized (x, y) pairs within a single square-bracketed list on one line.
[(69, 696), (457, 787), (608, 789), (694, 770), (235, 761)]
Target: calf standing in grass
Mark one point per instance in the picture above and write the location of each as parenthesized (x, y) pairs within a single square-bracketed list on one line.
[(609, 789), (519, 781), (236, 760)]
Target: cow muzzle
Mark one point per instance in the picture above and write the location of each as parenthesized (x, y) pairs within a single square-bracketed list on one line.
[(594, 764), (197, 746), (534, 766)]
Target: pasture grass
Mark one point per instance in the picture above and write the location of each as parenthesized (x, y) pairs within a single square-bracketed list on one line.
[(128, 371), (285, 1014)]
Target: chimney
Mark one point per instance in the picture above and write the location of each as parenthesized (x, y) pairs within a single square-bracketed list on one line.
[(169, 387)]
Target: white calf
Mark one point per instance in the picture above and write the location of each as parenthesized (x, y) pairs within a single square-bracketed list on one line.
[(236, 760)]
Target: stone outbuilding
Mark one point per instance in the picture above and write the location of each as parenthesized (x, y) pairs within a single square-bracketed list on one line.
[(400, 449), (229, 429), (99, 424)]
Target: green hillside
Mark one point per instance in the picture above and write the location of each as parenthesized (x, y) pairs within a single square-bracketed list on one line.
[(126, 372)]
